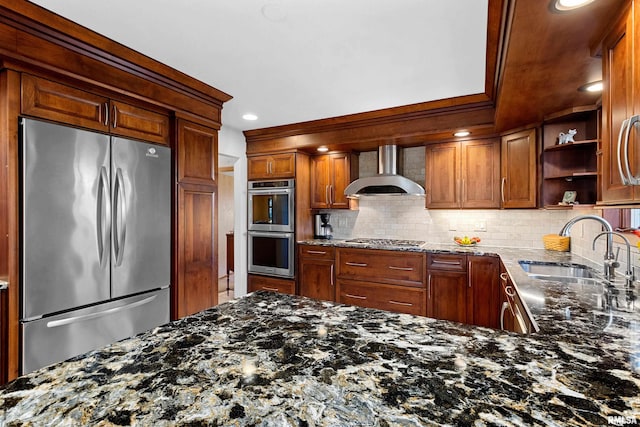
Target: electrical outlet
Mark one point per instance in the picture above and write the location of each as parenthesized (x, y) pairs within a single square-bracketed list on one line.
[(480, 226)]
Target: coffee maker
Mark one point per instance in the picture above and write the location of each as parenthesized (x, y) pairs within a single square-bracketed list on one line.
[(321, 227)]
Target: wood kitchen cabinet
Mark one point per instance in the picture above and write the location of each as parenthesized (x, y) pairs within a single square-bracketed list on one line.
[(387, 280), (316, 277), (196, 288), (620, 102), (483, 291), (447, 287), (271, 166), (463, 288), (54, 101), (513, 316), (330, 175), (463, 174), (518, 183), (273, 284)]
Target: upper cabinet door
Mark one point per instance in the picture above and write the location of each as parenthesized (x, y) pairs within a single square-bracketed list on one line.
[(271, 166), (135, 122), (61, 103), (617, 107), (197, 153), (320, 182), (480, 174), (330, 175), (518, 181), (443, 175)]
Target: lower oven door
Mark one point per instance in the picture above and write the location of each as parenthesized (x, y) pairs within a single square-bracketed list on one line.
[(271, 253)]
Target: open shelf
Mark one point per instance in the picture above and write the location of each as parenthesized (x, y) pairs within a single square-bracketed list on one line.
[(572, 166), (572, 145)]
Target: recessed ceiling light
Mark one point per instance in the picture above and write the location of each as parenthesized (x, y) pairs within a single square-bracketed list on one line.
[(566, 5), (250, 116), (462, 133), (323, 149), (591, 87)]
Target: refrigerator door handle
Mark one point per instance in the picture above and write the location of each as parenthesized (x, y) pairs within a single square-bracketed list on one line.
[(119, 217), (103, 215), (85, 317), (632, 179)]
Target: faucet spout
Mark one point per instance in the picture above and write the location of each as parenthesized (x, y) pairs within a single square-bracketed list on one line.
[(628, 275), (609, 256)]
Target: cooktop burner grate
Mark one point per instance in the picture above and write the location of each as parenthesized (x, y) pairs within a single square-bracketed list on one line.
[(387, 242)]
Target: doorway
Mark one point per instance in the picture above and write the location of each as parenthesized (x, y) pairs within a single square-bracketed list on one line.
[(226, 264)]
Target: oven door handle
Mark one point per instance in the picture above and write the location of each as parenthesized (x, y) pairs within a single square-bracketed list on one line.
[(270, 191), (270, 234)]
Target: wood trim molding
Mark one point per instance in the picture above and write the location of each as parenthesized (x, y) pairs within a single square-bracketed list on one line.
[(23, 23)]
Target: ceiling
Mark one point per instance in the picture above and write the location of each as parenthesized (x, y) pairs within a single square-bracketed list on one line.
[(290, 61)]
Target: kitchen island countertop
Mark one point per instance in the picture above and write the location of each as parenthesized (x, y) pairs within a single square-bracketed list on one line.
[(272, 359)]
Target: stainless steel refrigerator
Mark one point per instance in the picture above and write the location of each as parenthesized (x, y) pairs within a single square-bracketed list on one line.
[(96, 240)]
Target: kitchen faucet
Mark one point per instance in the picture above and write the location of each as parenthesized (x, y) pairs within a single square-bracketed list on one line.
[(628, 275), (610, 262)]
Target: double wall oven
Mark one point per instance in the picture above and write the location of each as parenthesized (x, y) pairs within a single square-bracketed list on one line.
[(271, 242)]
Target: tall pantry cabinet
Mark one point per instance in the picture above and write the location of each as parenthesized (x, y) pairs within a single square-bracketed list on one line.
[(55, 70), (620, 105)]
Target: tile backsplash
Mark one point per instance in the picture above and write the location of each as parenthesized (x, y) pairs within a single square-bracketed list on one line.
[(405, 217)]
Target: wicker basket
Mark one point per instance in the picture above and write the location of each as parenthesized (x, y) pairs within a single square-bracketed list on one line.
[(556, 242)]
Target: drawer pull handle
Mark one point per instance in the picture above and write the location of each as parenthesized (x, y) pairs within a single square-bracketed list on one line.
[(503, 277), (356, 264), (355, 296), (509, 291), (317, 252), (406, 304), (391, 267), (270, 289), (447, 262)]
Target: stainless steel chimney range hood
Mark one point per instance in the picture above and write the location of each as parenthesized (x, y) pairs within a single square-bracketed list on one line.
[(387, 181)]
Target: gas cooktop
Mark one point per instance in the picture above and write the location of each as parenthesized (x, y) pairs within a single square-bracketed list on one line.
[(387, 242)]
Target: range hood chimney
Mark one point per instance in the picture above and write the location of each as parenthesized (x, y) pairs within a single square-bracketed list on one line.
[(387, 181)]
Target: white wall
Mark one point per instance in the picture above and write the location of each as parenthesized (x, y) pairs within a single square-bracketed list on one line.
[(231, 142)]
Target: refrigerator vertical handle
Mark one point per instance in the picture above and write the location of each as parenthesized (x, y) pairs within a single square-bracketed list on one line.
[(119, 217), (103, 215), (623, 177), (631, 121)]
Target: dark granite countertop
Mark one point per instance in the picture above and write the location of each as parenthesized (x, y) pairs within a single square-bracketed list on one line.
[(278, 360)]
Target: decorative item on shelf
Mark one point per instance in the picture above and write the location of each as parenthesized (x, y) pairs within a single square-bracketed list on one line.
[(569, 198), (565, 138), (555, 242), (466, 241)]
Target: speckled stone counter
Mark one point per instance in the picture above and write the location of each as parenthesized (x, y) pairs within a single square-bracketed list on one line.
[(277, 360)]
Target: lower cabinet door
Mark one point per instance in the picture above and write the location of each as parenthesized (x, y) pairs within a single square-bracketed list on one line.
[(401, 299), (316, 279), (447, 297)]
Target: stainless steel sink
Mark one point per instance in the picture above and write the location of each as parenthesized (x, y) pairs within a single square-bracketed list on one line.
[(565, 272)]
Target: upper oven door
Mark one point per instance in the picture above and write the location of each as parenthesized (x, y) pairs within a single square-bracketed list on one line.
[(271, 209)]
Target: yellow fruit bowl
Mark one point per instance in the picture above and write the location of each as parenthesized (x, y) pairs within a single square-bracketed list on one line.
[(466, 241)]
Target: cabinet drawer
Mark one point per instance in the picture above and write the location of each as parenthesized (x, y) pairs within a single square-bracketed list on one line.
[(316, 252), (274, 284), (451, 262), (406, 268), (401, 299)]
